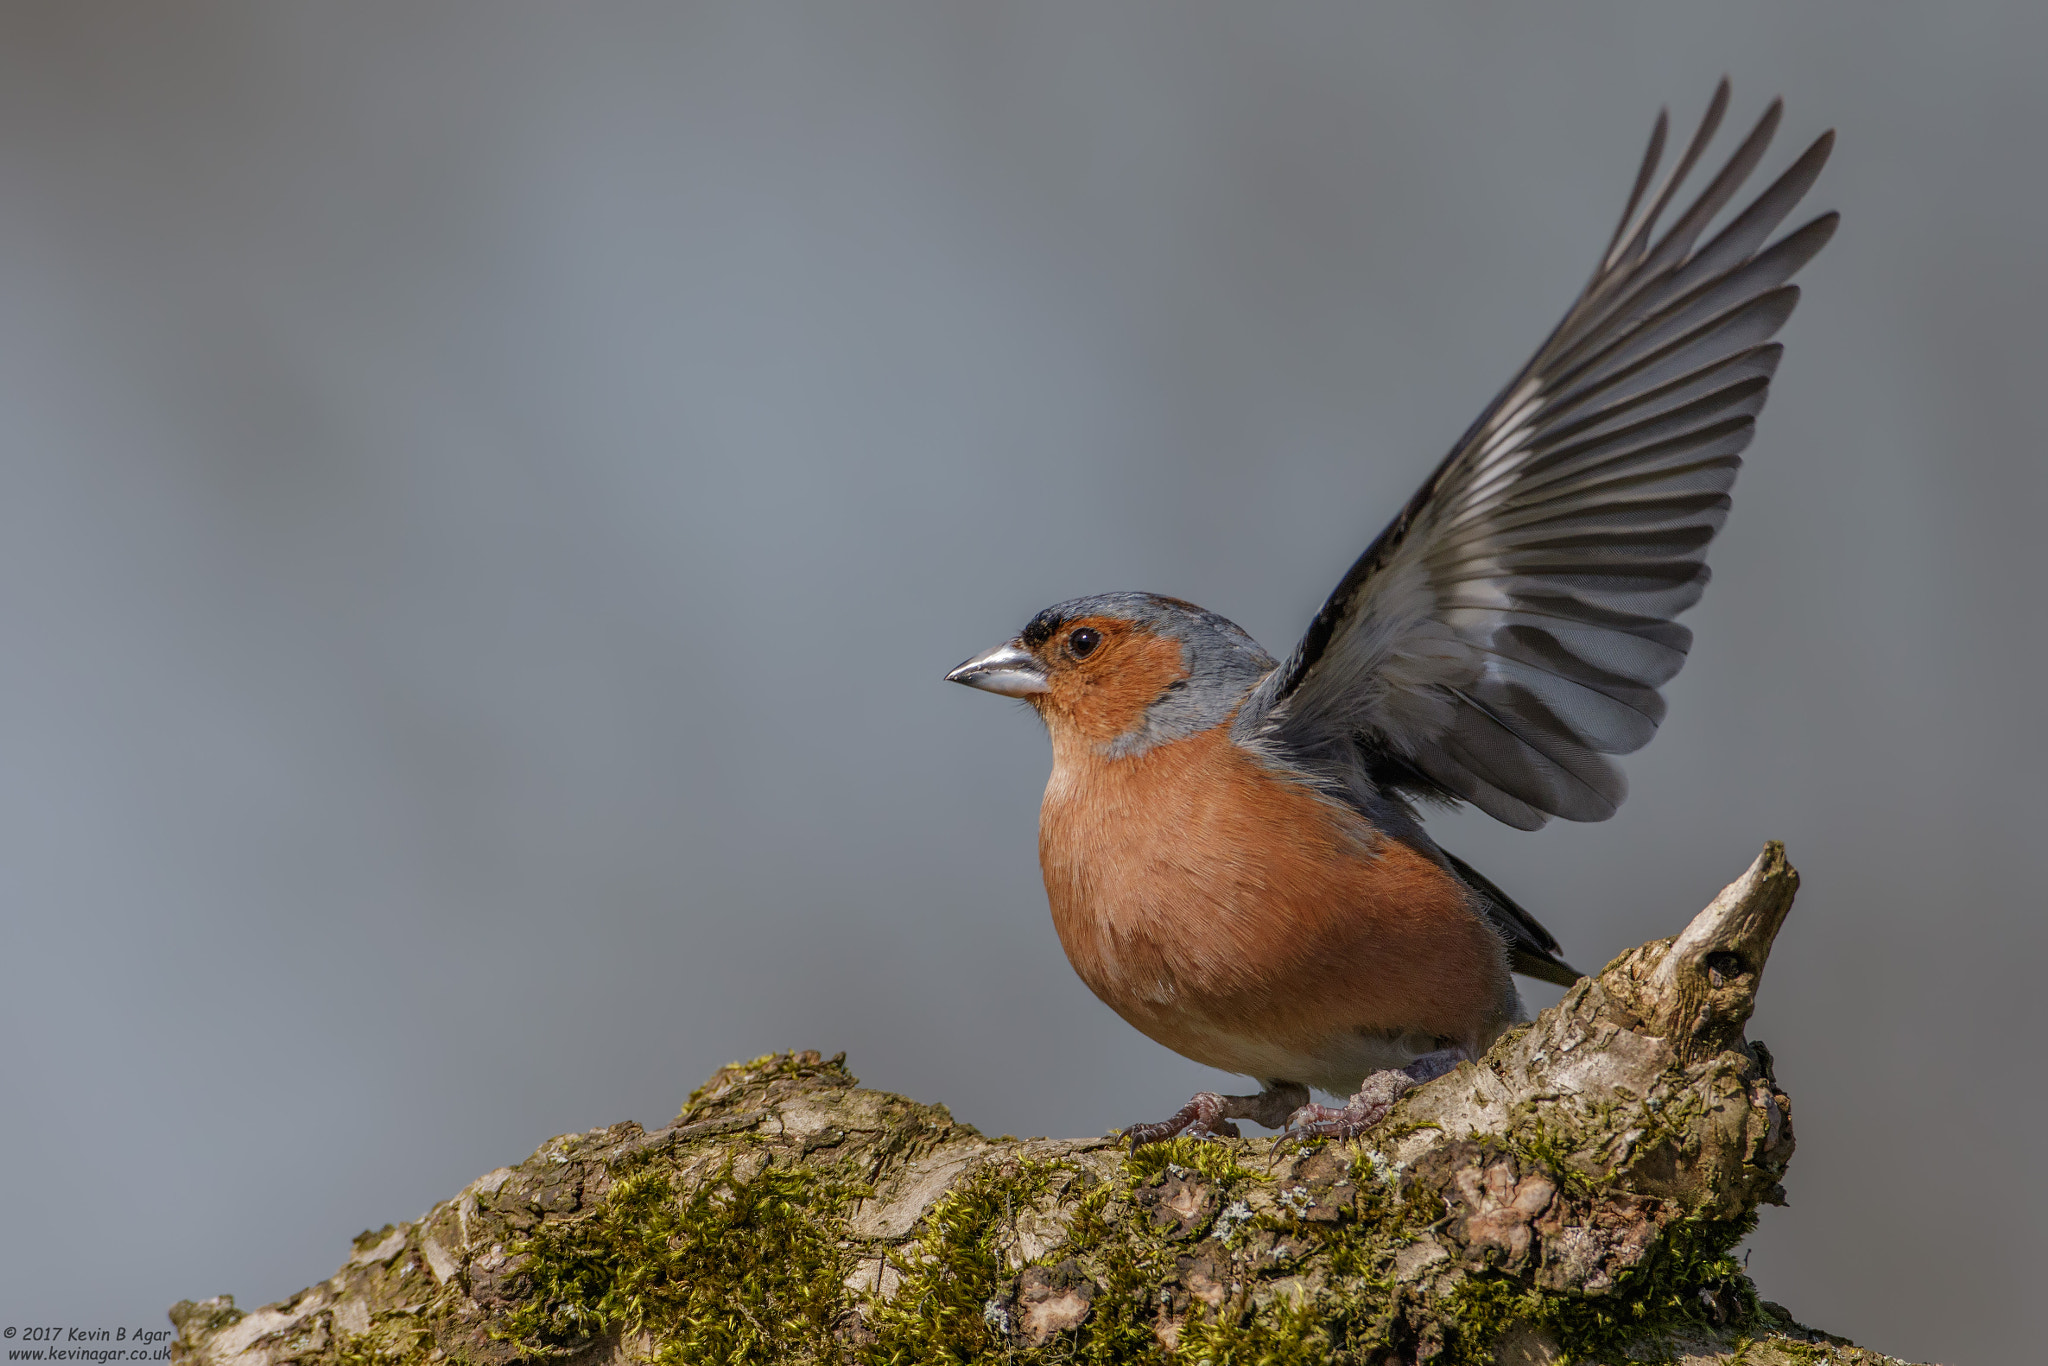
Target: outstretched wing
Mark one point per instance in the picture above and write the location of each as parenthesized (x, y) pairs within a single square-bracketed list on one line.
[(1509, 631)]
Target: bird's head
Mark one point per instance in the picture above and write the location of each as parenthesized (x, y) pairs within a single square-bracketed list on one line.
[(1121, 672)]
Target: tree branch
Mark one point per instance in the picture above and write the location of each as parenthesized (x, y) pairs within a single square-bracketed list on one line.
[(1576, 1194)]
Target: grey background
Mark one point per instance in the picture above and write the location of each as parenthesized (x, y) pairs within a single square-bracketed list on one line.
[(489, 491)]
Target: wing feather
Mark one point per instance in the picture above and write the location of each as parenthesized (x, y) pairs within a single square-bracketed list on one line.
[(1508, 633)]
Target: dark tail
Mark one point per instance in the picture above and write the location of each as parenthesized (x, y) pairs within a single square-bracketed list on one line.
[(1532, 950)]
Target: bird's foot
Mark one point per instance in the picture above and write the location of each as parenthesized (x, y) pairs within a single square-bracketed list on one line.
[(1201, 1117), (1208, 1115), (1374, 1099)]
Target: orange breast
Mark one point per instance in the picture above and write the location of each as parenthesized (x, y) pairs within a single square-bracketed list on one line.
[(1240, 919)]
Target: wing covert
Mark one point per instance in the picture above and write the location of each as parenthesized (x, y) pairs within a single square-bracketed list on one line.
[(1509, 631)]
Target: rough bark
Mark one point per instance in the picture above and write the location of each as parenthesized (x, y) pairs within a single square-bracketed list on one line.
[(1576, 1195)]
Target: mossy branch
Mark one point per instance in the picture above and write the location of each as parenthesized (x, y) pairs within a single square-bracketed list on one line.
[(1574, 1196)]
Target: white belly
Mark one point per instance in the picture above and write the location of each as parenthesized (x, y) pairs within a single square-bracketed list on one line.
[(1337, 1066)]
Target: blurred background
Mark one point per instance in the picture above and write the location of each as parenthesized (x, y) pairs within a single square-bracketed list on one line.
[(487, 492)]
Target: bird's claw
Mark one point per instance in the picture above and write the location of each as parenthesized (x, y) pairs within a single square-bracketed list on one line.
[(1341, 1122), (1374, 1100), (1138, 1135), (1208, 1115), (1201, 1117)]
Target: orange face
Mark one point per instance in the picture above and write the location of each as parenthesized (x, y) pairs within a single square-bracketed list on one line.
[(1091, 677), (1101, 673)]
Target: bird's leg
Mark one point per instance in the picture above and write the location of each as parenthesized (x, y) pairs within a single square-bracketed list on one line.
[(1375, 1097), (1208, 1115)]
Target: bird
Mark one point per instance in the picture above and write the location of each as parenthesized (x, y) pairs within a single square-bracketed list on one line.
[(1232, 844)]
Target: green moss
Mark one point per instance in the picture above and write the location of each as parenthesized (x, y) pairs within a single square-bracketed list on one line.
[(1482, 1308), (753, 1270), (943, 1309), (396, 1339), (1215, 1162), (1347, 1319), (950, 1305), (1127, 1256), (1688, 1283), (732, 1271), (757, 1073), (1552, 1149), (1289, 1332)]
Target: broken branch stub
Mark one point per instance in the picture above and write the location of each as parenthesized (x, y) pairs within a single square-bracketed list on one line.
[(1698, 989), (1578, 1191), (1639, 1081)]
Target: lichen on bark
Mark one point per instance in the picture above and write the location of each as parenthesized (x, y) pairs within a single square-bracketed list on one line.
[(1576, 1195)]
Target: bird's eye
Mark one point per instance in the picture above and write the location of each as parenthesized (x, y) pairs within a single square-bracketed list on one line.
[(1082, 643)]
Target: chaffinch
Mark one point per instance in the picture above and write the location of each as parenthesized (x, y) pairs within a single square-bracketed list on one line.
[(1230, 843)]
